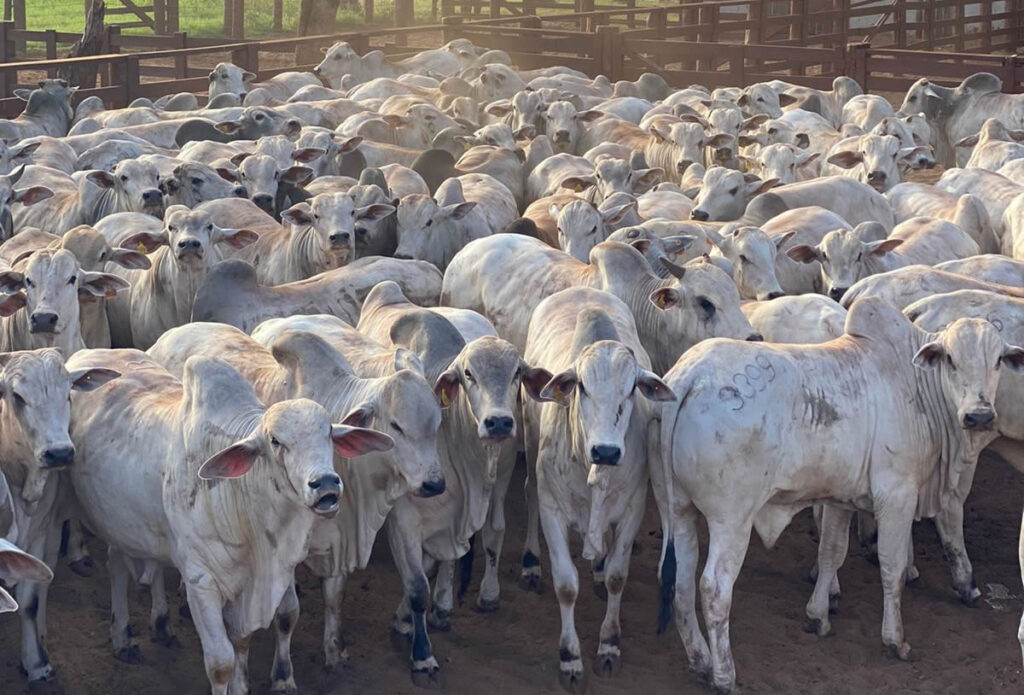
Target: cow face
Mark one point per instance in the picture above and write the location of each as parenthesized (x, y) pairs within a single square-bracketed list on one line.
[(334, 217), (725, 193), (227, 78), (339, 61), (190, 236), (785, 163), (654, 246), (581, 226), (844, 258), (135, 184), (298, 441), (258, 121), (193, 183), (565, 124), (494, 81), (879, 158), (752, 254), (262, 175), (426, 229), (971, 356), (599, 389), (24, 196), (35, 398), (761, 99), (93, 252), (923, 97), (406, 409)]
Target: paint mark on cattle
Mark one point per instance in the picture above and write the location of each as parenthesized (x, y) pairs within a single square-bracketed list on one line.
[(747, 383), (818, 409), (492, 557), (615, 584), (566, 594)]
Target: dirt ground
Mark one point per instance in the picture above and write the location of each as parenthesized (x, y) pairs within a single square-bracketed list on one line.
[(958, 650)]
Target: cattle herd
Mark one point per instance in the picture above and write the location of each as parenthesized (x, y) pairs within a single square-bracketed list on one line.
[(251, 335)]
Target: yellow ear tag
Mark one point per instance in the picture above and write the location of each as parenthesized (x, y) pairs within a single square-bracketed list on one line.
[(445, 402), (560, 398), (660, 300), (579, 188), (141, 248)]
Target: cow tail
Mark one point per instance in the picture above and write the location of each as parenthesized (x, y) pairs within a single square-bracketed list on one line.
[(667, 577), (668, 585), (466, 570)]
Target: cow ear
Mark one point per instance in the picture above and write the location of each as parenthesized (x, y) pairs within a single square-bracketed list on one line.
[(720, 140), (145, 242), (459, 210), (299, 215), (657, 134), (356, 441), (22, 94), (228, 174), (645, 178), (17, 565), (803, 140), (297, 175), (248, 76), (755, 188), (31, 195), (394, 120), (560, 387), (103, 179), (102, 285), (615, 215), (589, 116), (233, 462), (578, 183), (447, 387), (91, 379), (235, 238), (27, 150), (783, 238), (377, 211), (805, 158), (407, 359), (350, 144), (804, 253), (129, 259), (847, 159), (929, 356), (880, 248), (755, 122), (641, 245), (678, 243), (969, 141), (787, 100), (360, 416), (228, 127), (11, 282), (653, 388), (534, 379), (237, 160), (307, 154), (499, 108), (10, 305), (1013, 357)]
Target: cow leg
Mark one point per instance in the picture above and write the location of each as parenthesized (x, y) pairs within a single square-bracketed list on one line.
[(949, 522), (159, 620), (492, 535), (444, 597), (566, 582), (282, 675), (126, 649), (894, 524), (687, 553), (218, 651), (407, 551), (833, 589), (530, 579), (616, 570), (334, 643), (726, 550), (1020, 558), (833, 544), (34, 658), (240, 678)]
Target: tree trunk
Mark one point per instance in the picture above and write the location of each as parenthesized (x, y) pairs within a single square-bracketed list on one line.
[(90, 44), (315, 17)]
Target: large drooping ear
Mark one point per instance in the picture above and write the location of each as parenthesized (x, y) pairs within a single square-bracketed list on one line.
[(783, 238), (350, 144), (145, 242), (846, 159), (578, 184), (91, 379), (665, 298), (589, 116), (233, 462), (228, 127), (653, 388), (447, 387), (360, 416), (235, 238), (614, 215), (560, 387), (499, 108), (129, 259), (657, 134), (299, 215), (11, 282), (787, 100), (356, 441), (880, 248), (22, 94), (805, 158), (719, 140), (31, 195), (248, 76), (17, 565), (969, 141), (297, 175), (103, 179), (377, 211), (929, 356), (102, 285), (407, 359), (459, 210), (804, 253), (1013, 357), (228, 174), (11, 304), (238, 159), (7, 602), (534, 379), (756, 188)]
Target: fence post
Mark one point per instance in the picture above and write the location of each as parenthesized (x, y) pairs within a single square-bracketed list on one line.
[(238, 19), (857, 63), (173, 25), (405, 13), (180, 62), (609, 53), (51, 50), (131, 78), (159, 17), (19, 23), (657, 21), (929, 28), (6, 56), (450, 28)]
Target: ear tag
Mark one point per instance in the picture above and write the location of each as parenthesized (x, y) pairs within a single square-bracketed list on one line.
[(445, 401), (141, 248)]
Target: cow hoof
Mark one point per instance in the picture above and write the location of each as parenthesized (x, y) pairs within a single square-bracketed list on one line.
[(571, 680), (486, 606), (912, 575), (607, 665), (83, 567), (285, 687), (969, 596), (440, 620), (601, 591), (531, 582), (817, 626), (900, 651), (185, 612), (833, 604), (427, 676), (165, 640), (129, 654), (39, 675)]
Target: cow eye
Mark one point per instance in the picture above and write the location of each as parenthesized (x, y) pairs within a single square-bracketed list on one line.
[(123, 177), (706, 306), (734, 191), (429, 222), (744, 259), (259, 117), (760, 99), (337, 57), (949, 361), (469, 377), (593, 230), (396, 428), (209, 227), (196, 181), (912, 99), (103, 256), (18, 400), (29, 283), (274, 442), (73, 279), (583, 391)]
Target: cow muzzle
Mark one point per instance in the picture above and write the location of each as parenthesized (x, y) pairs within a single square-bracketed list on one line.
[(59, 457), (326, 490), (499, 427), (189, 248), (683, 165), (43, 322), (836, 293), (431, 488), (699, 215), (605, 455), (877, 180), (980, 419), (153, 202), (264, 201)]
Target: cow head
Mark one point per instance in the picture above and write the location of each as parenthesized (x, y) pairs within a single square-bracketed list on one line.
[(228, 78), (844, 257), (725, 193), (190, 235), (339, 60), (334, 216), (262, 175), (135, 184), (93, 251), (752, 255)]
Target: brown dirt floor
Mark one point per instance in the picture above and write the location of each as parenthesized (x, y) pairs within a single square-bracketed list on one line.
[(958, 650)]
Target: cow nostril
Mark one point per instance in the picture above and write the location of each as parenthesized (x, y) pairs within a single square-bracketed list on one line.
[(699, 215), (43, 322), (240, 192), (152, 195), (775, 295), (329, 480), (56, 458), (432, 488), (755, 338), (499, 426), (604, 455), (979, 419), (837, 293), (342, 238)]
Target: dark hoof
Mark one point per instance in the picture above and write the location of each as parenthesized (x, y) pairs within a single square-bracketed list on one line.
[(532, 583), (84, 567), (607, 665), (833, 604), (165, 640), (482, 606), (901, 652), (571, 682), (969, 597), (129, 655), (440, 621), (872, 557), (185, 612), (427, 679), (601, 591), (812, 625)]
